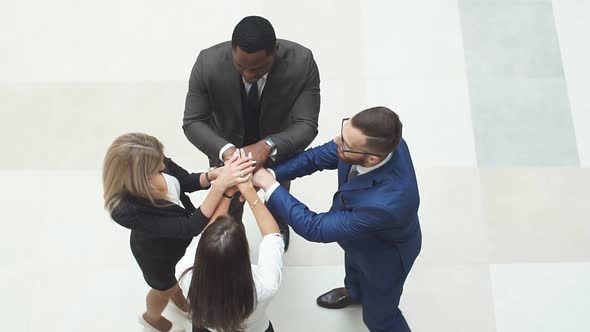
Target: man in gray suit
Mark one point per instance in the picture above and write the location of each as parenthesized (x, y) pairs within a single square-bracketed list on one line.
[(254, 92)]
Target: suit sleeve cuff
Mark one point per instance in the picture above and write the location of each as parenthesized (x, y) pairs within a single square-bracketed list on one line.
[(271, 190), (223, 149)]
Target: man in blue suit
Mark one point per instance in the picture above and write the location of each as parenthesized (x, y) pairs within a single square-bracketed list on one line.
[(373, 215)]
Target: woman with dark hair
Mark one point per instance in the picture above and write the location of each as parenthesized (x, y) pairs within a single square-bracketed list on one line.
[(225, 292), (145, 192)]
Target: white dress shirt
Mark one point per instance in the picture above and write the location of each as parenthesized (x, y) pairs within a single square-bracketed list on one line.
[(266, 275)]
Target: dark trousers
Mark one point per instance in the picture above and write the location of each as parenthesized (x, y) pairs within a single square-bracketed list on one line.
[(200, 329), (379, 290)]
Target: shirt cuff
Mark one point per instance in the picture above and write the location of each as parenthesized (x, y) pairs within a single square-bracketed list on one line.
[(223, 149), (270, 191)]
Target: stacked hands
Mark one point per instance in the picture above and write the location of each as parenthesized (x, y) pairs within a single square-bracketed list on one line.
[(241, 173)]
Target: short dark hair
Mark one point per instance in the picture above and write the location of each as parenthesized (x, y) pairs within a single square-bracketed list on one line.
[(221, 294), (381, 126), (254, 33)]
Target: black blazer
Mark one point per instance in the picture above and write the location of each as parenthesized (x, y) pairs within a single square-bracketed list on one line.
[(289, 106), (160, 234)]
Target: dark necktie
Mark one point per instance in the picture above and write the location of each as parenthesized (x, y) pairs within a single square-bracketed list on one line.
[(354, 172), (251, 116), (253, 97)]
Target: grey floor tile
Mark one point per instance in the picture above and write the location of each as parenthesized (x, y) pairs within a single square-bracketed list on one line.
[(519, 98), (537, 215), (522, 123), (510, 39)]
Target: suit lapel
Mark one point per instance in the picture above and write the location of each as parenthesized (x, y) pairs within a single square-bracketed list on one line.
[(362, 181), (232, 89), (272, 85), (343, 170)]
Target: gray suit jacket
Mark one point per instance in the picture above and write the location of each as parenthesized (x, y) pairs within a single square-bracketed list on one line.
[(289, 107)]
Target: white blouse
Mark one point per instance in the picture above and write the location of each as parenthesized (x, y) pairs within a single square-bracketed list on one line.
[(173, 189), (266, 275)]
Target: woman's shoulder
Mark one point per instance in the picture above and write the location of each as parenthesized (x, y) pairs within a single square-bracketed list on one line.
[(131, 205), (125, 211)]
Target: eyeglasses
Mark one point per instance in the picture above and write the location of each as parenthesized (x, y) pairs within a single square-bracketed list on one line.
[(344, 145)]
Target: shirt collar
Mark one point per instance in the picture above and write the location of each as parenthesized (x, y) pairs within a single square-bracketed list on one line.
[(364, 170), (260, 80)]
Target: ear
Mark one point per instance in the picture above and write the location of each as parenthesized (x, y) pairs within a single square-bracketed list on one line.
[(373, 160)]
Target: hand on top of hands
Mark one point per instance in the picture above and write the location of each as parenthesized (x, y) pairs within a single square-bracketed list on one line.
[(237, 169)]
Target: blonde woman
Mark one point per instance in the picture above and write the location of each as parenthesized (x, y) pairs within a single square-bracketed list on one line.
[(145, 192)]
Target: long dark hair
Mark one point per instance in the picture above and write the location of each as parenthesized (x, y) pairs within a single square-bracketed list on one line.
[(221, 294)]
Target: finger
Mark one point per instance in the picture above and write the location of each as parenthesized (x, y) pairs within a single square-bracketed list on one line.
[(231, 160), (247, 171), (248, 163), (242, 199), (242, 160)]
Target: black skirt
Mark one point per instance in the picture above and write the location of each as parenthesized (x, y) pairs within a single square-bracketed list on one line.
[(157, 259)]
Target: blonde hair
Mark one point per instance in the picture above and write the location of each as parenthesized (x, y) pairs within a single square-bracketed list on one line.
[(128, 164)]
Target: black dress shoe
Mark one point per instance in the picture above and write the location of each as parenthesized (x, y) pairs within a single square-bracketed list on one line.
[(284, 229), (337, 298)]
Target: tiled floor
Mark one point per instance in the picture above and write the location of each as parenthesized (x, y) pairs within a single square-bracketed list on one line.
[(493, 96)]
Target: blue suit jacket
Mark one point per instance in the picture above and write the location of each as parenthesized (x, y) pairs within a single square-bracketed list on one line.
[(373, 217)]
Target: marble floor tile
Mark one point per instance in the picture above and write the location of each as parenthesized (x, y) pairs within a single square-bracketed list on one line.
[(451, 216), (400, 37), (436, 116), (570, 20), (447, 297), (522, 123), (510, 39), (541, 297), (537, 214)]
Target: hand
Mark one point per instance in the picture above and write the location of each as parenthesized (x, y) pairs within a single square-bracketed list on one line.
[(260, 152), (237, 169), (246, 185), (263, 179), (214, 173), (229, 153)]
